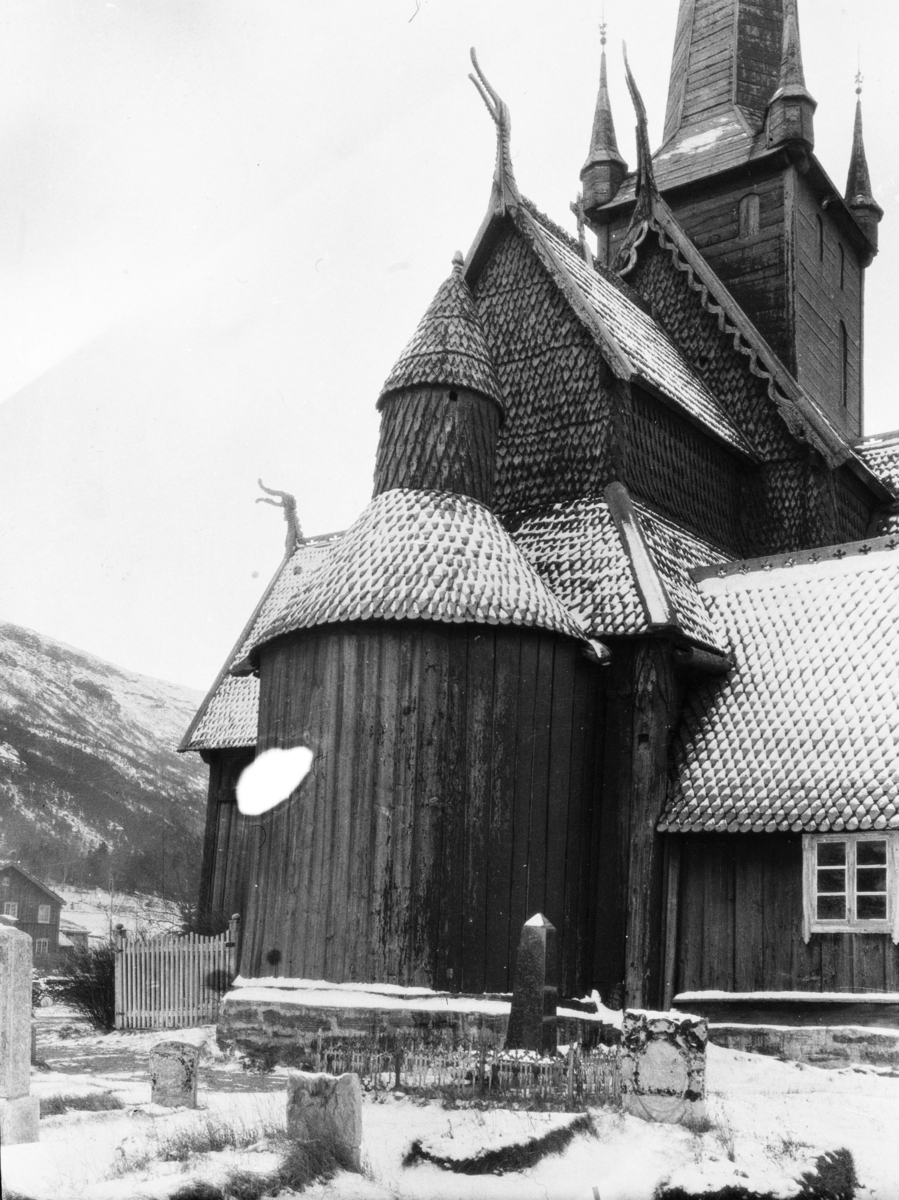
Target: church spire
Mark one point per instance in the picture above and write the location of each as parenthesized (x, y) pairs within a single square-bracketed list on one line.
[(791, 109), (859, 196), (604, 169)]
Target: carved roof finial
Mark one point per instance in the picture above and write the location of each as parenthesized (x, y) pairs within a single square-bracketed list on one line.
[(504, 185), (646, 183), (288, 504)]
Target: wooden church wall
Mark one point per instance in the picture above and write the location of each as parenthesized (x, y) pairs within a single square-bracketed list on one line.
[(674, 466), (748, 257), (450, 799), (229, 837), (740, 924), (821, 303), (555, 443)]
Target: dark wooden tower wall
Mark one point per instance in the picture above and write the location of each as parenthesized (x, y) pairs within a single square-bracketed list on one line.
[(438, 437), (228, 839), (451, 797), (828, 280), (740, 923)]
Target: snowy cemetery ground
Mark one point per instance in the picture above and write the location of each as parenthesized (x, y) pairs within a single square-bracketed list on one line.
[(768, 1121)]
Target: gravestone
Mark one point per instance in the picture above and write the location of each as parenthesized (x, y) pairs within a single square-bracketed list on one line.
[(326, 1109), (19, 1112), (174, 1067), (663, 1057), (532, 1019)]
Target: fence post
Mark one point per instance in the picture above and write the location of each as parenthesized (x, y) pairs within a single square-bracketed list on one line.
[(232, 943), (571, 1075), (119, 977)]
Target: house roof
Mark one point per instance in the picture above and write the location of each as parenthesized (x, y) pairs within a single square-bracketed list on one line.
[(228, 716), (8, 866), (636, 345), (804, 733), (880, 453), (448, 348), (621, 568), (418, 555)]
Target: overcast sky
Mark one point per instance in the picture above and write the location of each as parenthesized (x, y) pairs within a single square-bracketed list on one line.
[(220, 221)]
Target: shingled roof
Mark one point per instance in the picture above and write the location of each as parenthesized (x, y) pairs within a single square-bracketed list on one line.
[(621, 568), (419, 555), (228, 716), (448, 347), (804, 733), (881, 454), (635, 344)]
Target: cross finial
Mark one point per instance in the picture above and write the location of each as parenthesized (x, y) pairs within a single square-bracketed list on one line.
[(602, 26)]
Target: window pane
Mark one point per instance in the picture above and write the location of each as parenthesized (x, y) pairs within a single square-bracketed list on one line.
[(831, 854), (871, 879), (831, 879), (831, 908), (871, 908), (872, 854)]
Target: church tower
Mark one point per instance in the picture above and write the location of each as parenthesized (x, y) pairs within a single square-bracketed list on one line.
[(738, 169)]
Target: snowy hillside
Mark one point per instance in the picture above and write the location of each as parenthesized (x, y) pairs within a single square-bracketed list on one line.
[(90, 783)]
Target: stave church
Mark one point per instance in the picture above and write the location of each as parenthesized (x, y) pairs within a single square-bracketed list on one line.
[(616, 638)]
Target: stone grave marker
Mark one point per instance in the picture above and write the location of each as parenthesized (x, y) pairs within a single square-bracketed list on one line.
[(663, 1057), (532, 1019), (19, 1112), (174, 1067), (328, 1109)]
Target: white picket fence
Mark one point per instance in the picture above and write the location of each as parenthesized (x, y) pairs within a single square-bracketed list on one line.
[(172, 982)]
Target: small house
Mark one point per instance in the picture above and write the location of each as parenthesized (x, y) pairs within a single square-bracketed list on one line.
[(34, 907)]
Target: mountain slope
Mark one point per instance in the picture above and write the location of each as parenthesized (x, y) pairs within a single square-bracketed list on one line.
[(90, 783)]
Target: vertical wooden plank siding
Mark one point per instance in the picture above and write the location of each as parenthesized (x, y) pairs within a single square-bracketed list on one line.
[(404, 847), (740, 927)]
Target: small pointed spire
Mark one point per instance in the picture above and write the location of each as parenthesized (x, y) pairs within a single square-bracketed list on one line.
[(791, 109), (859, 196), (604, 169)]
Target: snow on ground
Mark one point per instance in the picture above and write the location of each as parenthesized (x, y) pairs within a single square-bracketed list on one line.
[(768, 1121), (99, 912)]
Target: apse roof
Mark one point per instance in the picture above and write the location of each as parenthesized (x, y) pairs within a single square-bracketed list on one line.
[(228, 716), (880, 453), (448, 348), (418, 555), (621, 568), (803, 734)]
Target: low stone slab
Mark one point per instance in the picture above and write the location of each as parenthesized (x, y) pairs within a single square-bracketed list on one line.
[(326, 1109), (19, 1120), (663, 1057), (174, 1068)]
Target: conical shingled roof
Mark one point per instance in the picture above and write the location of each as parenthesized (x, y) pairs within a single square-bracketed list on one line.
[(448, 348), (858, 182), (420, 555), (603, 143)]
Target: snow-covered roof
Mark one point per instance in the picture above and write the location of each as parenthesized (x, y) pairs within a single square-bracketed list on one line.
[(804, 732), (641, 348), (448, 348), (880, 452), (419, 555), (228, 716), (586, 553)]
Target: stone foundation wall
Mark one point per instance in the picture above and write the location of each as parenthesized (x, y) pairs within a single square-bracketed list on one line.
[(820, 1046)]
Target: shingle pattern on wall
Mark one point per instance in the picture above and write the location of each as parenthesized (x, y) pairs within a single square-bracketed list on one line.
[(652, 352), (420, 555), (448, 347), (231, 715), (576, 549), (804, 732), (554, 444), (698, 332)]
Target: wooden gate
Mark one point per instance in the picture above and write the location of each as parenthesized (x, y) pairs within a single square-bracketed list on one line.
[(172, 982)]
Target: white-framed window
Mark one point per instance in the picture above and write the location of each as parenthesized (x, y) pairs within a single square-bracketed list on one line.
[(10, 908), (43, 914), (4, 881), (850, 883), (41, 946)]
